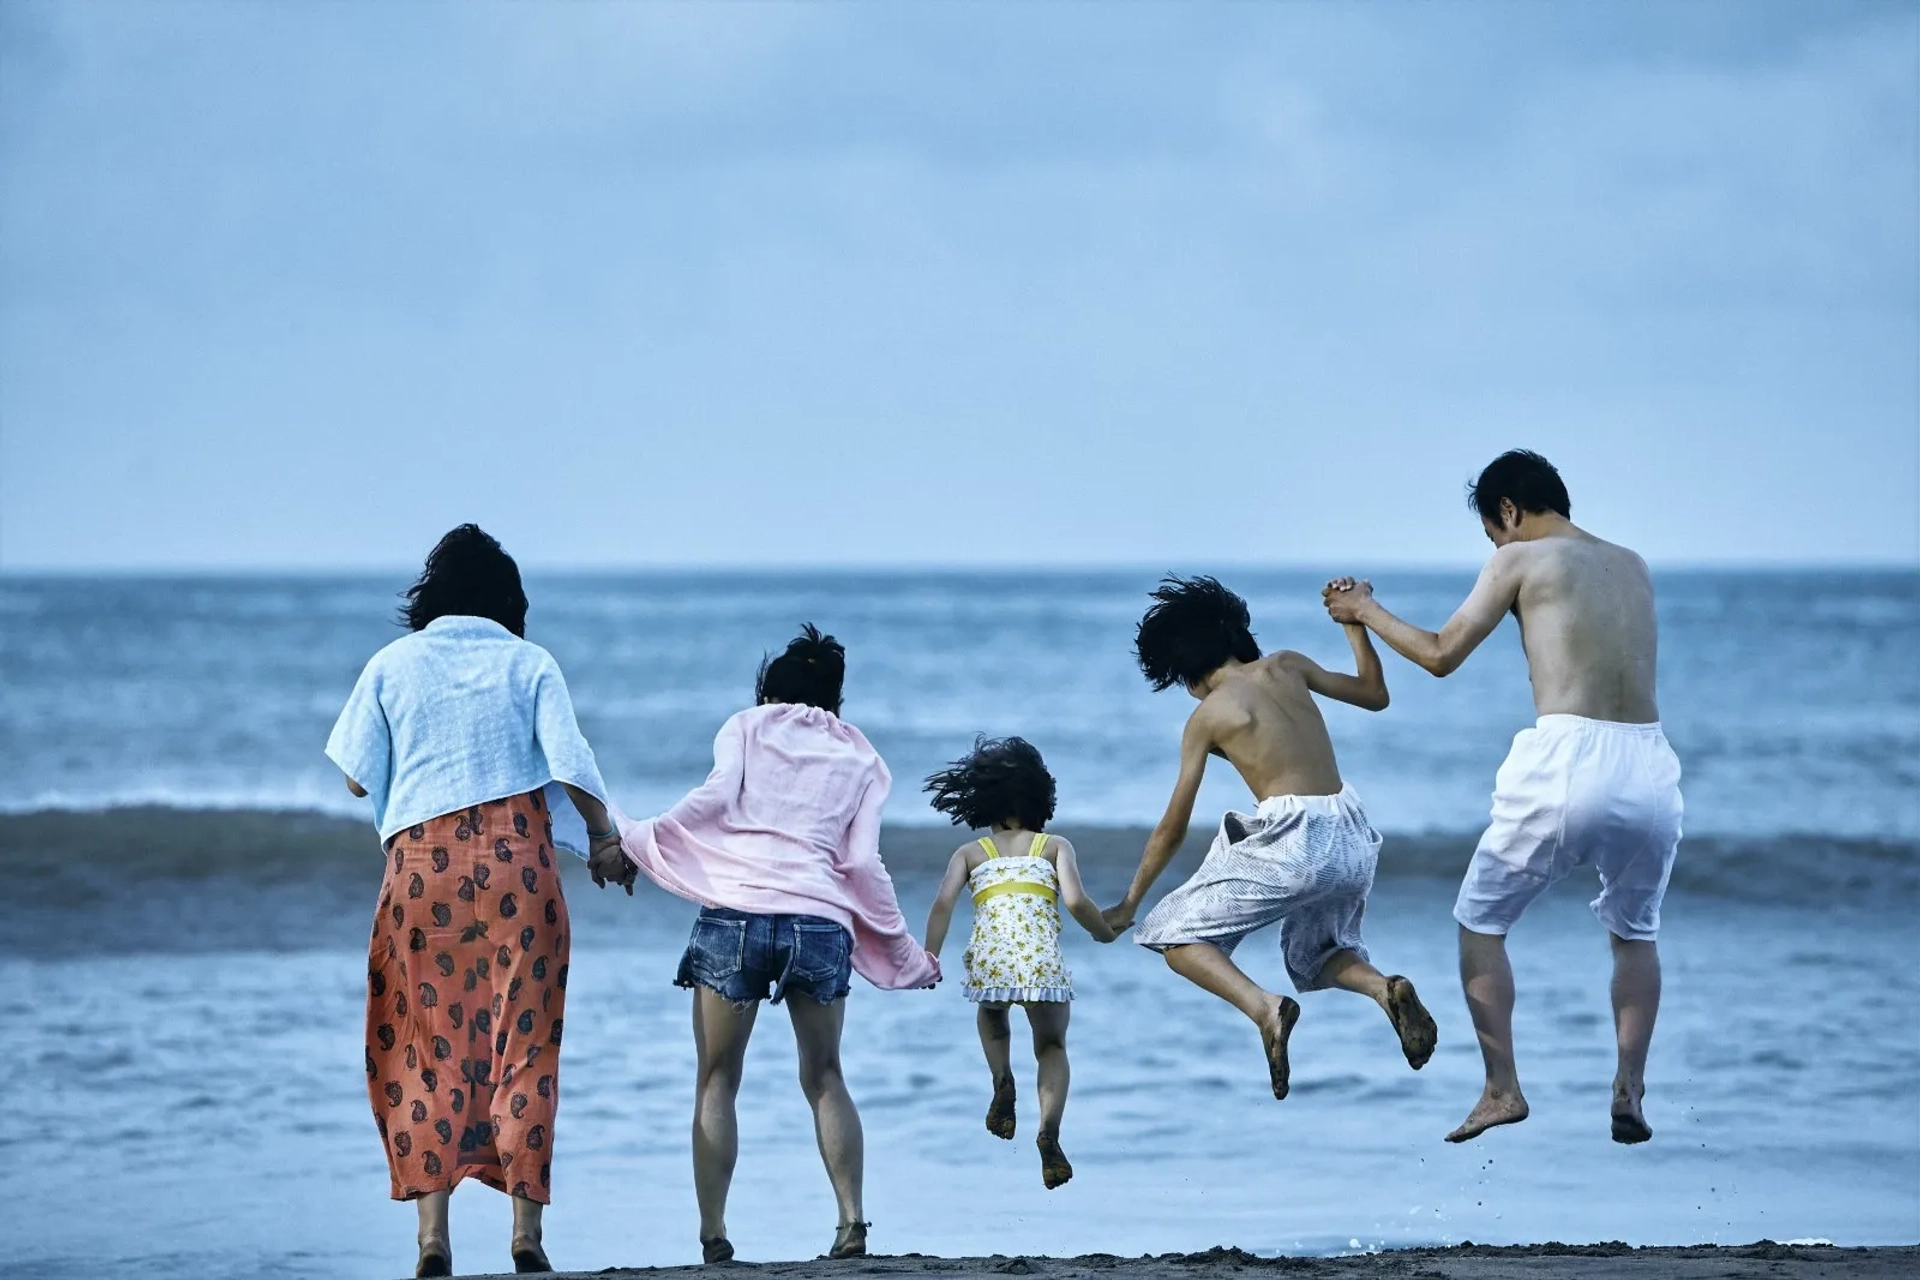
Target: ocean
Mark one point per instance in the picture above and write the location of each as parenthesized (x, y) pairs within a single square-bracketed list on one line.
[(182, 949)]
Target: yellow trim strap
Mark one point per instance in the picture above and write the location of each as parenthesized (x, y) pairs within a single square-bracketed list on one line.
[(1014, 886)]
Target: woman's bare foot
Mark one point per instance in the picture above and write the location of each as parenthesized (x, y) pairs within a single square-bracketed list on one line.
[(1492, 1109), (1055, 1169), (1273, 1037), (1000, 1118), (528, 1256), (718, 1249), (1411, 1022), (436, 1259), (850, 1241), (1629, 1124)]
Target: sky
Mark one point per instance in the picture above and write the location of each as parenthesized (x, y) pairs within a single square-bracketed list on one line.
[(304, 285)]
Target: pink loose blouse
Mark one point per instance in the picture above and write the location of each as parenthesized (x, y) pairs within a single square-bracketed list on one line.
[(788, 823)]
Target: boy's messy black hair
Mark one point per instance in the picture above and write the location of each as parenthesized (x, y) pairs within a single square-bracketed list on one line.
[(1193, 628), (810, 672), (467, 574), (1000, 780), (1525, 479)]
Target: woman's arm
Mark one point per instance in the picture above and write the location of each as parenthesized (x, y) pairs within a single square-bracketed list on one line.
[(605, 859), (940, 918), (1073, 895)]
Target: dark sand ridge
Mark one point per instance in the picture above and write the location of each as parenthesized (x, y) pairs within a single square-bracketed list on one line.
[(1764, 1260)]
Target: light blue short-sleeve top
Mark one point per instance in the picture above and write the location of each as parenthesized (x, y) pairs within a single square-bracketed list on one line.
[(459, 713)]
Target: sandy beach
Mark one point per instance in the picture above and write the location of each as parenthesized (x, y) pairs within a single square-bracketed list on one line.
[(1608, 1261)]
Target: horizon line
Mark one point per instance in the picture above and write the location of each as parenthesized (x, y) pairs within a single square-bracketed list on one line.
[(933, 568)]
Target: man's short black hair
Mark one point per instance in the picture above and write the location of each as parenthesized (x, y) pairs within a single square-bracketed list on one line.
[(810, 672), (1001, 780), (1194, 628), (467, 575), (1523, 478)]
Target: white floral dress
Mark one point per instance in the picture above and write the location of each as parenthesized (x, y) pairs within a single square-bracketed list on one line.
[(1014, 954)]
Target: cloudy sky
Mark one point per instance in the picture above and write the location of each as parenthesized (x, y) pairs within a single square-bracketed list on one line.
[(304, 284)]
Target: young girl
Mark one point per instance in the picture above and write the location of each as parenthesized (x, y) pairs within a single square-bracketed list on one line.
[(781, 848), (1016, 873)]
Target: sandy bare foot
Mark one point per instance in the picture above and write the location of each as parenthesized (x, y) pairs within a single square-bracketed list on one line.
[(718, 1249), (1411, 1022), (1055, 1169), (436, 1259), (1492, 1109), (1273, 1037), (1629, 1125), (528, 1256), (1000, 1118)]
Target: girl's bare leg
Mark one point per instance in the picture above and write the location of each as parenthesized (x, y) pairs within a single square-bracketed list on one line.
[(836, 1122), (996, 1039), (720, 1035), (1049, 1023)]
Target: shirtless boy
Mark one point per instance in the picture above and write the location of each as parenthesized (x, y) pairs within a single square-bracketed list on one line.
[(1593, 783), (1304, 858)]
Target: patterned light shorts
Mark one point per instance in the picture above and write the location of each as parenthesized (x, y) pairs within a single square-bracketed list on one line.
[(1304, 861)]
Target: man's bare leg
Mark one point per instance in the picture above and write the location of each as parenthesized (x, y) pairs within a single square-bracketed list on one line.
[(1396, 998), (1211, 969), (1487, 979), (996, 1039), (1636, 1003)]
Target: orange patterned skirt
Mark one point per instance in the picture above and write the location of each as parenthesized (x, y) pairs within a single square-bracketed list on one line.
[(466, 988)]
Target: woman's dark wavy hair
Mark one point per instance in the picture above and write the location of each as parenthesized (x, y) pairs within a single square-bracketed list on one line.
[(467, 575), (810, 672), (1001, 779), (1525, 479), (1193, 628)]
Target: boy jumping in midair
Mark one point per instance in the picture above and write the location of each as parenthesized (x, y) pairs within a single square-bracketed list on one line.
[(1305, 857)]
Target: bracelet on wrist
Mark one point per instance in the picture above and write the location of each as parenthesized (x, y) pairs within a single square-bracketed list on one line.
[(595, 837)]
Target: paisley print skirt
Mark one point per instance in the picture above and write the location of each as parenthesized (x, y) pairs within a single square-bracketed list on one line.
[(466, 988)]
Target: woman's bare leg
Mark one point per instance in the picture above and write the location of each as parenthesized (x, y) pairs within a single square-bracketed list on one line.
[(433, 1236), (527, 1253), (836, 1123), (720, 1035)]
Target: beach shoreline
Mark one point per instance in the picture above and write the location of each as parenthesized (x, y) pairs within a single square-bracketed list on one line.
[(1610, 1260)]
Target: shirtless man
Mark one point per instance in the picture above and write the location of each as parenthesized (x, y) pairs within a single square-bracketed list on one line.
[(1305, 857), (1592, 783)]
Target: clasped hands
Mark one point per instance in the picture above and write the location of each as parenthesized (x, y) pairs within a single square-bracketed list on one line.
[(607, 862)]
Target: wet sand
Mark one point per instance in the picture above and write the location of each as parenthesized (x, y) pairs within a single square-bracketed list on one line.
[(1610, 1261)]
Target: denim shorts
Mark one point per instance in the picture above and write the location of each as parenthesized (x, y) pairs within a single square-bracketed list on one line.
[(745, 957)]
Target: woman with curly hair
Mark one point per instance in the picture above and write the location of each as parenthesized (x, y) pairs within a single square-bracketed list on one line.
[(1016, 873)]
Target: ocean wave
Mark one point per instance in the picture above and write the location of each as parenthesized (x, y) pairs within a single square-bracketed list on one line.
[(68, 857)]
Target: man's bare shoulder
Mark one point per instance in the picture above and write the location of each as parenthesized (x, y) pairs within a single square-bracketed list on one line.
[(1224, 710)]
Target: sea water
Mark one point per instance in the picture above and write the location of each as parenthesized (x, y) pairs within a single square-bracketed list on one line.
[(182, 984)]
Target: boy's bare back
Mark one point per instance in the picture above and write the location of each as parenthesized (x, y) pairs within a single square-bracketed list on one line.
[(1261, 717)]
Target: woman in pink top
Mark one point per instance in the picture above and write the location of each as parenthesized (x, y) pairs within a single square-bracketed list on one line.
[(781, 847)]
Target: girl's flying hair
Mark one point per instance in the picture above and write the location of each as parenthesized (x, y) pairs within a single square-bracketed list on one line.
[(1193, 627), (467, 575), (1001, 780), (810, 672)]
